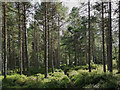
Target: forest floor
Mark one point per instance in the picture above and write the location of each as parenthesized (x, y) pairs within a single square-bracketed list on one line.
[(66, 77)]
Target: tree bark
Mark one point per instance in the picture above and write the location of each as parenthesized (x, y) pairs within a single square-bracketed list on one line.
[(104, 63), (86, 49), (45, 43), (110, 37), (23, 46), (52, 52), (89, 36), (1, 37), (20, 39), (119, 40), (26, 42), (13, 54), (5, 41), (58, 58)]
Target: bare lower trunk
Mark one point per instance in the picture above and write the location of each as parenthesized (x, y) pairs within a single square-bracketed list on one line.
[(5, 41), (26, 42), (104, 63), (119, 40), (89, 56)]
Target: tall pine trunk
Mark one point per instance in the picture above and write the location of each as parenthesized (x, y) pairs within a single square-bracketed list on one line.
[(104, 66), (1, 37), (89, 35), (110, 38), (23, 46), (5, 41), (45, 43), (20, 39), (26, 42), (58, 54), (119, 40), (52, 53)]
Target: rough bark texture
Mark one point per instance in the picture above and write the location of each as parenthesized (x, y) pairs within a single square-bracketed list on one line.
[(110, 38), (20, 39), (119, 40), (1, 37), (104, 65), (58, 58), (45, 44), (5, 41), (89, 36), (23, 46), (52, 53), (26, 42)]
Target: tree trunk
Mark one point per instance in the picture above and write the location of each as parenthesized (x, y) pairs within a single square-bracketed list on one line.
[(75, 49), (110, 37), (5, 41), (52, 53), (20, 39), (49, 45), (89, 35), (1, 37), (23, 47), (26, 42), (45, 43), (58, 58), (69, 57), (119, 40), (9, 49), (13, 55), (80, 55), (104, 65), (86, 49)]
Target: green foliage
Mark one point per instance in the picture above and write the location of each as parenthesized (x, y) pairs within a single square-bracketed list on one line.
[(94, 80), (72, 67), (54, 80)]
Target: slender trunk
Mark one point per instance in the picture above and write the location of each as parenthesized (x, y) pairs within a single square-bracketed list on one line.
[(5, 41), (58, 58), (107, 36), (110, 37), (45, 43), (23, 47), (9, 49), (52, 53), (26, 42), (13, 55), (37, 55), (93, 56), (1, 37), (48, 44), (69, 57), (86, 49), (20, 39), (89, 35), (80, 60), (119, 40), (104, 63), (75, 49)]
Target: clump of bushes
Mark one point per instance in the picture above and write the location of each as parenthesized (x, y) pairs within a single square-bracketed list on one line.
[(54, 80), (94, 80)]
